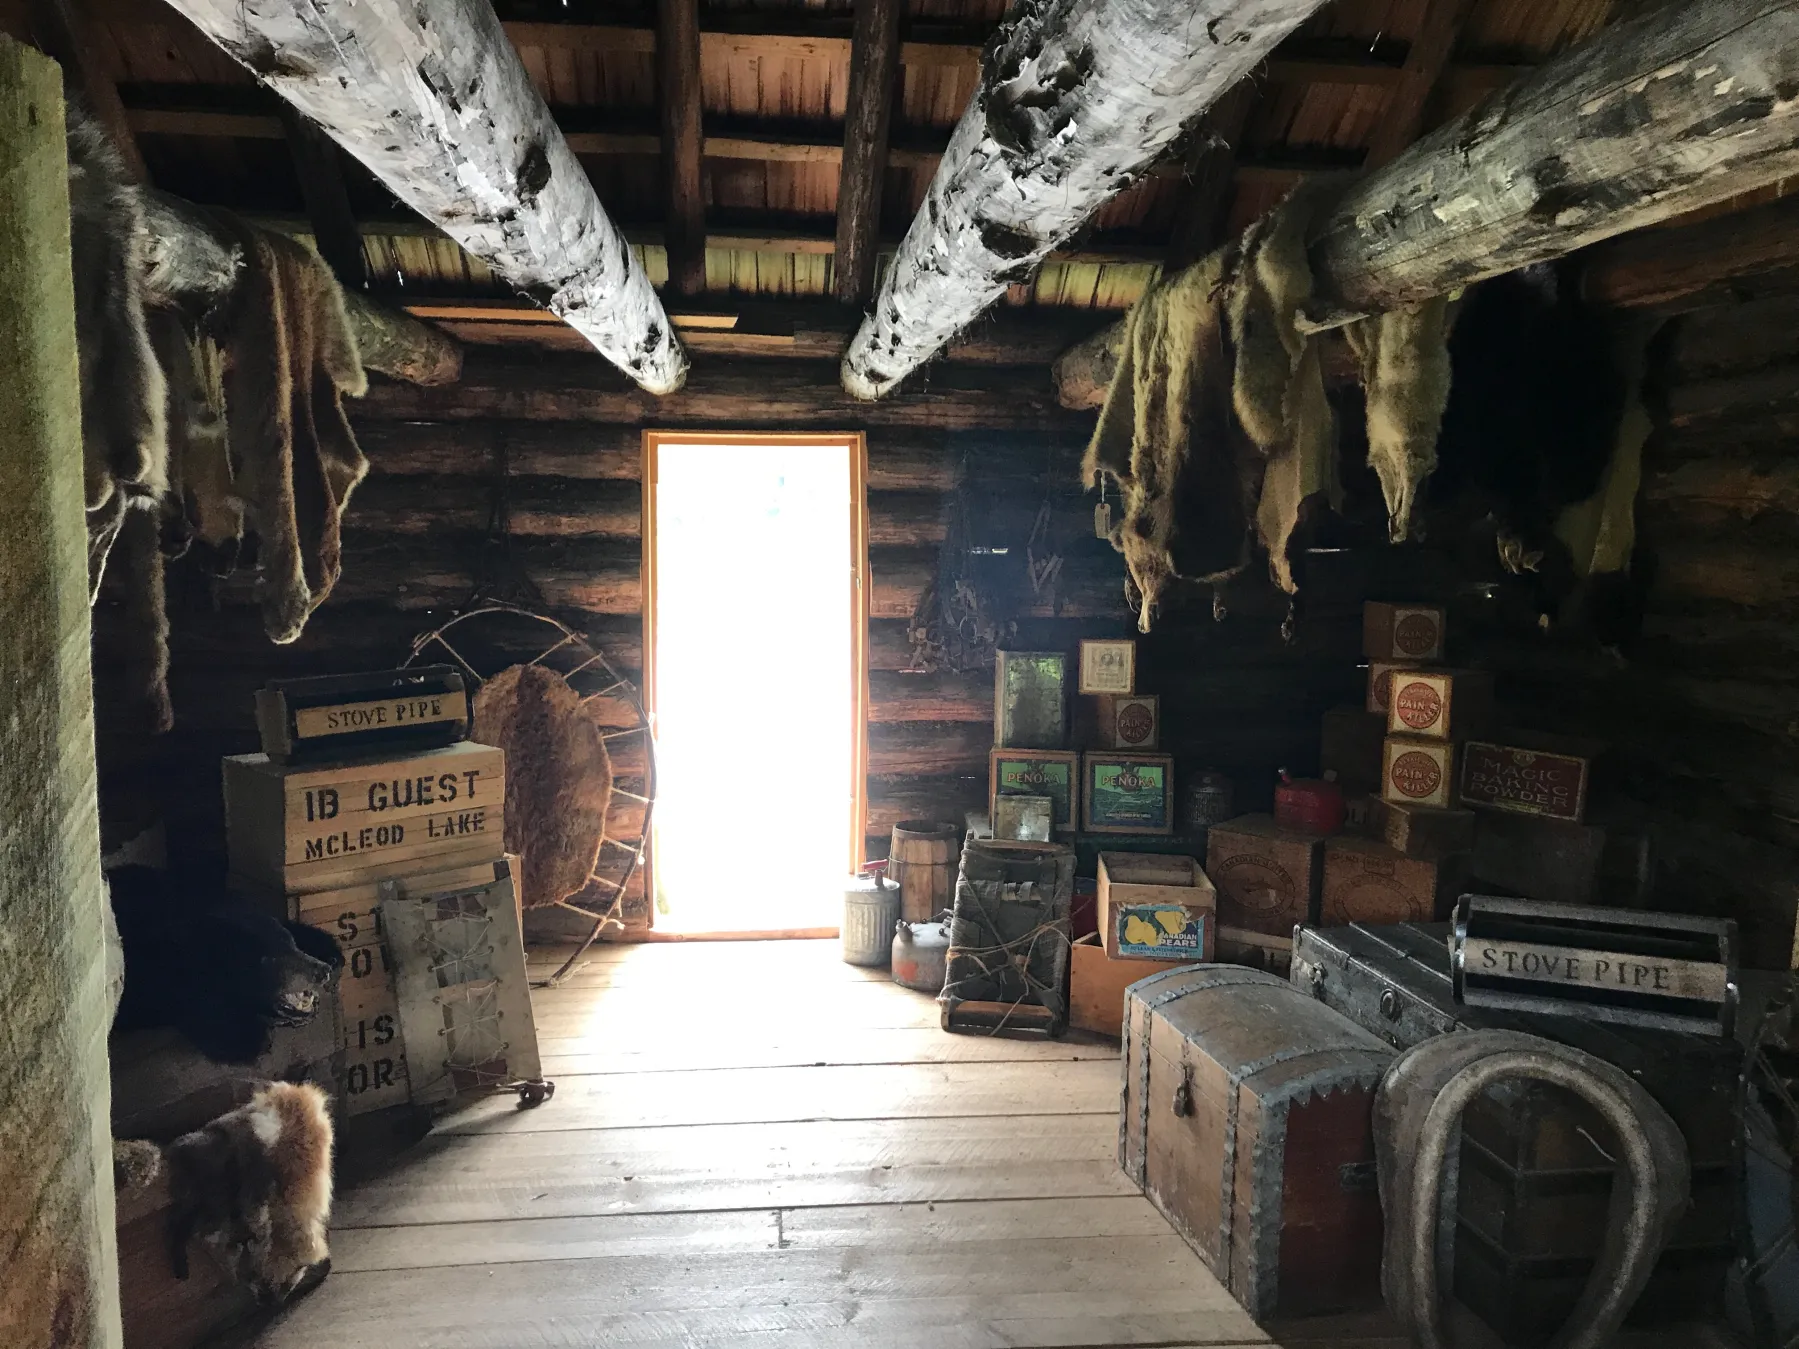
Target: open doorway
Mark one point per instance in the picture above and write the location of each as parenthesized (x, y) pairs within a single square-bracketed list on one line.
[(755, 616)]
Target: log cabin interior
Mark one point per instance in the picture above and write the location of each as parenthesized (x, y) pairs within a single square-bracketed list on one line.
[(700, 626)]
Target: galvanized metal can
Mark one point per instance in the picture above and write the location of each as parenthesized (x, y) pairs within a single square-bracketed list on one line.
[(920, 955), (871, 906)]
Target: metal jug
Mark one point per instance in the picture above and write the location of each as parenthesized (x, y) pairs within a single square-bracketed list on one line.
[(921, 955)]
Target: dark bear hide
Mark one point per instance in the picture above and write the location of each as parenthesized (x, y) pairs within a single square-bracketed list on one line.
[(219, 973)]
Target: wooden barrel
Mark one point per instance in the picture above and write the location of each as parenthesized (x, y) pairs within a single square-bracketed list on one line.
[(922, 860)]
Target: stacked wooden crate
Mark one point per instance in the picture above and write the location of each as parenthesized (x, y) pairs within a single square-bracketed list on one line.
[(320, 842)]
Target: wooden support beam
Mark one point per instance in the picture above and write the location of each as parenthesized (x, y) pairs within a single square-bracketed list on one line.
[(56, 1209), (1685, 267), (874, 74), (61, 29), (434, 100), (678, 101), (1425, 63), (1675, 110), (1077, 98), (321, 175), (195, 264), (1669, 112)]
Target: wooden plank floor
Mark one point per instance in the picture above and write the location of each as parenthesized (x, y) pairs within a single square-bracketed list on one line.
[(755, 1144)]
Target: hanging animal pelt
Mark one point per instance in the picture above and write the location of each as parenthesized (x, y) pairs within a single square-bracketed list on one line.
[(1216, 422), (201, 481), (558, 779), (1406, 379), (254, 1189), (124, 445), (290, 359)]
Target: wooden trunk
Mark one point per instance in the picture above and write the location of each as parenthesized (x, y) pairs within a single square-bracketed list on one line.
[(1247, 1120), (922, 863)]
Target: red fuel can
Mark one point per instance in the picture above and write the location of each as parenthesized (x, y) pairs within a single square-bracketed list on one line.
[(1308, 805)]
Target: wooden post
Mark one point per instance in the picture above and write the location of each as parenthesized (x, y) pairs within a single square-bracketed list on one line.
[(321, 175), (56, 1208), (435, 101), (874, 70), (683, 143), (1077, 98)]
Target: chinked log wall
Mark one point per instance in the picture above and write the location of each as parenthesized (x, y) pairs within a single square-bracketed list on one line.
[(1703, 718), (568, 433)]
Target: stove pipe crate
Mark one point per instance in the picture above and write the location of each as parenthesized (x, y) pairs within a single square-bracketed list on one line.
[(330, 718), (1247, 1120)]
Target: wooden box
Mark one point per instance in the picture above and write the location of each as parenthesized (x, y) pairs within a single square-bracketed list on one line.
[(1129, 722), (1267, 877), (303, 829), (1023, 819), (1369, 882), (1350, 747), (1108, 665), (1380, 685), (1403, 633), (1256, 950), (1442, 704), (1538, 858), (1418, 770), (1127, 794), (1247, 1121), (1529, 781), (1421, 831), (1054, 773), (1155, 906), (382, 714), (1096, 985), (1030, 700)]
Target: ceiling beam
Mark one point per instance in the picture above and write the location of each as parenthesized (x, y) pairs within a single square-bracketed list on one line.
[(1077, 98), (1425, 63), (321, 174), (868, 115), (436, 103), (62, 29), (678, 100), (1683, 107)]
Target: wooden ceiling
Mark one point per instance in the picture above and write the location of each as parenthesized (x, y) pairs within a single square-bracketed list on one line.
[(1350, 87)]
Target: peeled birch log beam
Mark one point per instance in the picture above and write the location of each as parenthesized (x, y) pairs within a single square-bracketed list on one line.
[(435, 101), (1077, 98), (194, 264), (1686, 106)]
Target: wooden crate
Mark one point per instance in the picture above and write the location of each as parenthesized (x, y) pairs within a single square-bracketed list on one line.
[(1130, 721), (1421, 831), (1137, 889), (1402, 632), (1096, 985), (1441, 704), (1267, 877), (1418, 770), (1526, 780), (1370, 882), (1054, 773), (1350, 747), (1380, 685), (301, 829), (380, 714), (1127, 793)]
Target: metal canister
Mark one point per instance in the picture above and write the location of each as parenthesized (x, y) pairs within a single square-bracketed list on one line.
[(1206, 799), (871, 906), (920, 955)]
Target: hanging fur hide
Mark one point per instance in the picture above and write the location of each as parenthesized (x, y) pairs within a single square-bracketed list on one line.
[(143, 672), (254, 1187), (290, 359), (558, 779), (124, 446), (1216, 422), (1405, 376), (200, 476)]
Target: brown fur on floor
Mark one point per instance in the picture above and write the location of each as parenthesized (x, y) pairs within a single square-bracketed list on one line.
[(558, 778), (254, 1186), (124, 444), (290, 360)]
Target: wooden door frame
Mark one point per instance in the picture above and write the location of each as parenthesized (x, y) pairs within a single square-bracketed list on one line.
[(856, 442)]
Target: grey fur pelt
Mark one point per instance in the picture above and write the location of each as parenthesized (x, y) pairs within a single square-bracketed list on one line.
[(123, 397)]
